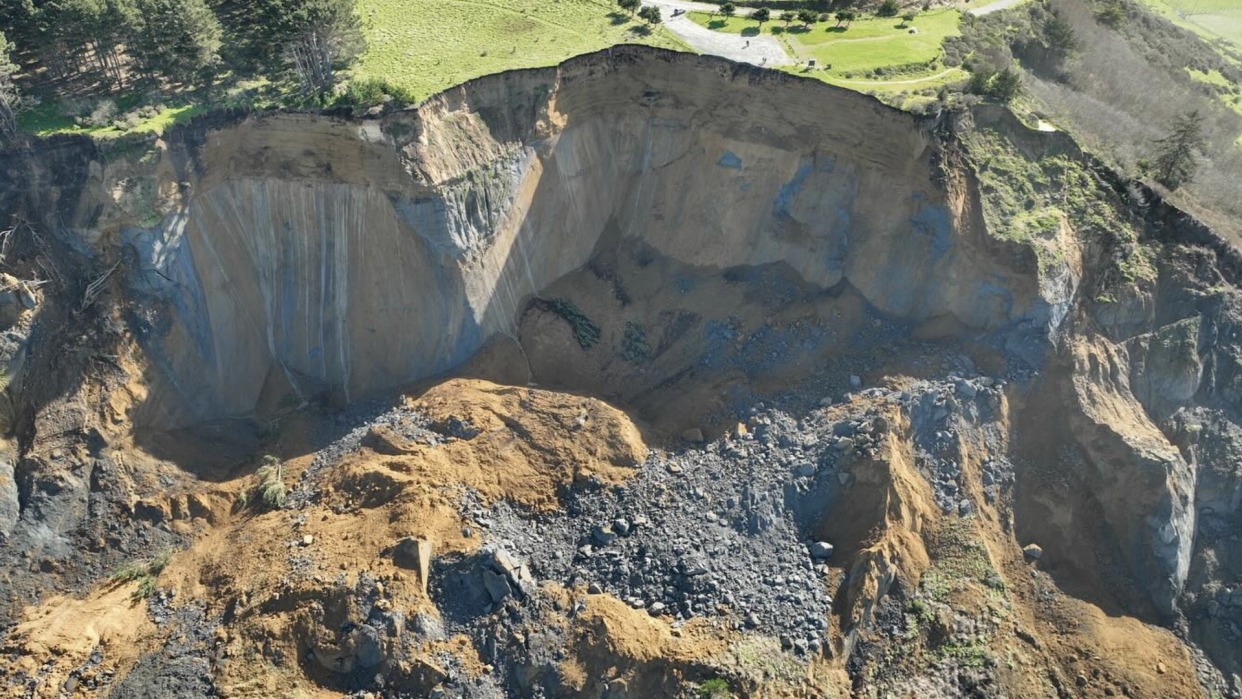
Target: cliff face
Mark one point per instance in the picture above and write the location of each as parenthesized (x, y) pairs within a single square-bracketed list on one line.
[(301, 256), (688, 237)]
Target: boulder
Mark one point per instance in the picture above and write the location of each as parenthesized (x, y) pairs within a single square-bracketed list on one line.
[(821, 550), (497, 586), (602, 536), (414, 554), (10, 505), (1033, 551)]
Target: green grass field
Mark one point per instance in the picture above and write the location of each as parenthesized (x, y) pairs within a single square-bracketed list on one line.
[(1208, 18), (853, 52), (427, 46), (424, 47)]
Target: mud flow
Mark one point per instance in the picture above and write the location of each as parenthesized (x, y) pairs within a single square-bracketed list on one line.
[(645, 375)]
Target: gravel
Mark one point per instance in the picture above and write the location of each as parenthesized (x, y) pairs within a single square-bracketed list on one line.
[(723, 529)]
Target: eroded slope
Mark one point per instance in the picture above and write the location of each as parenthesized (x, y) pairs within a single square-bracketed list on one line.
[(819, 321)]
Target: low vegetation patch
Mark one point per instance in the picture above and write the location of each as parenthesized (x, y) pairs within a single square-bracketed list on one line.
[(634, 346), (961, 561), (715, 688), (107, 117), (586, 332), (142, 572), (1026, 199)]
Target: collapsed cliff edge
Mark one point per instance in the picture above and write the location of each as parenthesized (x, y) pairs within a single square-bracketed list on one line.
[(677, 371)]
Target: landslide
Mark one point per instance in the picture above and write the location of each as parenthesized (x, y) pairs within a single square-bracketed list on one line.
[(565, 376)]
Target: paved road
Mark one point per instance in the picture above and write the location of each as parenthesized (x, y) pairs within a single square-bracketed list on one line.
[(757, 50), (697, 7), (994, 7)]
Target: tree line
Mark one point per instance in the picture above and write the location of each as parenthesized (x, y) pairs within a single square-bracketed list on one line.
[(110, 45)]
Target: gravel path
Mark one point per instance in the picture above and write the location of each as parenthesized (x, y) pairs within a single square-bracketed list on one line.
[(994, 7), (913, 81), (756, 50)]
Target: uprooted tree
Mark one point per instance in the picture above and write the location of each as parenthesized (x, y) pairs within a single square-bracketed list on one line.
[(269, 491)]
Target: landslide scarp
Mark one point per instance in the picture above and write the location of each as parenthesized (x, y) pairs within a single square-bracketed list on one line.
[(815, 320)]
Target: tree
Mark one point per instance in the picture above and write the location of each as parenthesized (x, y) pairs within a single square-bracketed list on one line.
[(1176, 154), (788, 16), (980, 80), (9, 97), (1111, 12), (315, 37), (1059, 36), (651, 14), (845, 16), (807, 18), (629, 5), (761, 15), (1006, 85), (101, 28), (178, 39), (727, 9), (888, 8), (908, 18)]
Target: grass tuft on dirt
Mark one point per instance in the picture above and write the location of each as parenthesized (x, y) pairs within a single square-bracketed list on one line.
[(142, 572)]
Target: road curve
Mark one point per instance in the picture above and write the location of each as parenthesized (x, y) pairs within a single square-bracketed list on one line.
[(756, 50)]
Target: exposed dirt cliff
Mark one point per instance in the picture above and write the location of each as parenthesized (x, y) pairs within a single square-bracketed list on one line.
[(757, 381)]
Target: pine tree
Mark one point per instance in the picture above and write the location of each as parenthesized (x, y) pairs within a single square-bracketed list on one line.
[(1006, 86), (313, 38), (97, 30), (1059, 37), (9, 97), (178, 39), (1176, 158)]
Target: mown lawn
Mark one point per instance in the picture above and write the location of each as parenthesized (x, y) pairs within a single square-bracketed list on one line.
[(875, 42), (859, 48), (426, 46)]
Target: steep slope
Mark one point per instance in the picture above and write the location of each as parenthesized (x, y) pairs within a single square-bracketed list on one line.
[(928, 343)]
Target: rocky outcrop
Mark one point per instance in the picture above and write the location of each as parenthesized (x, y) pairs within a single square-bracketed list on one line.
[(1145, 486)]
